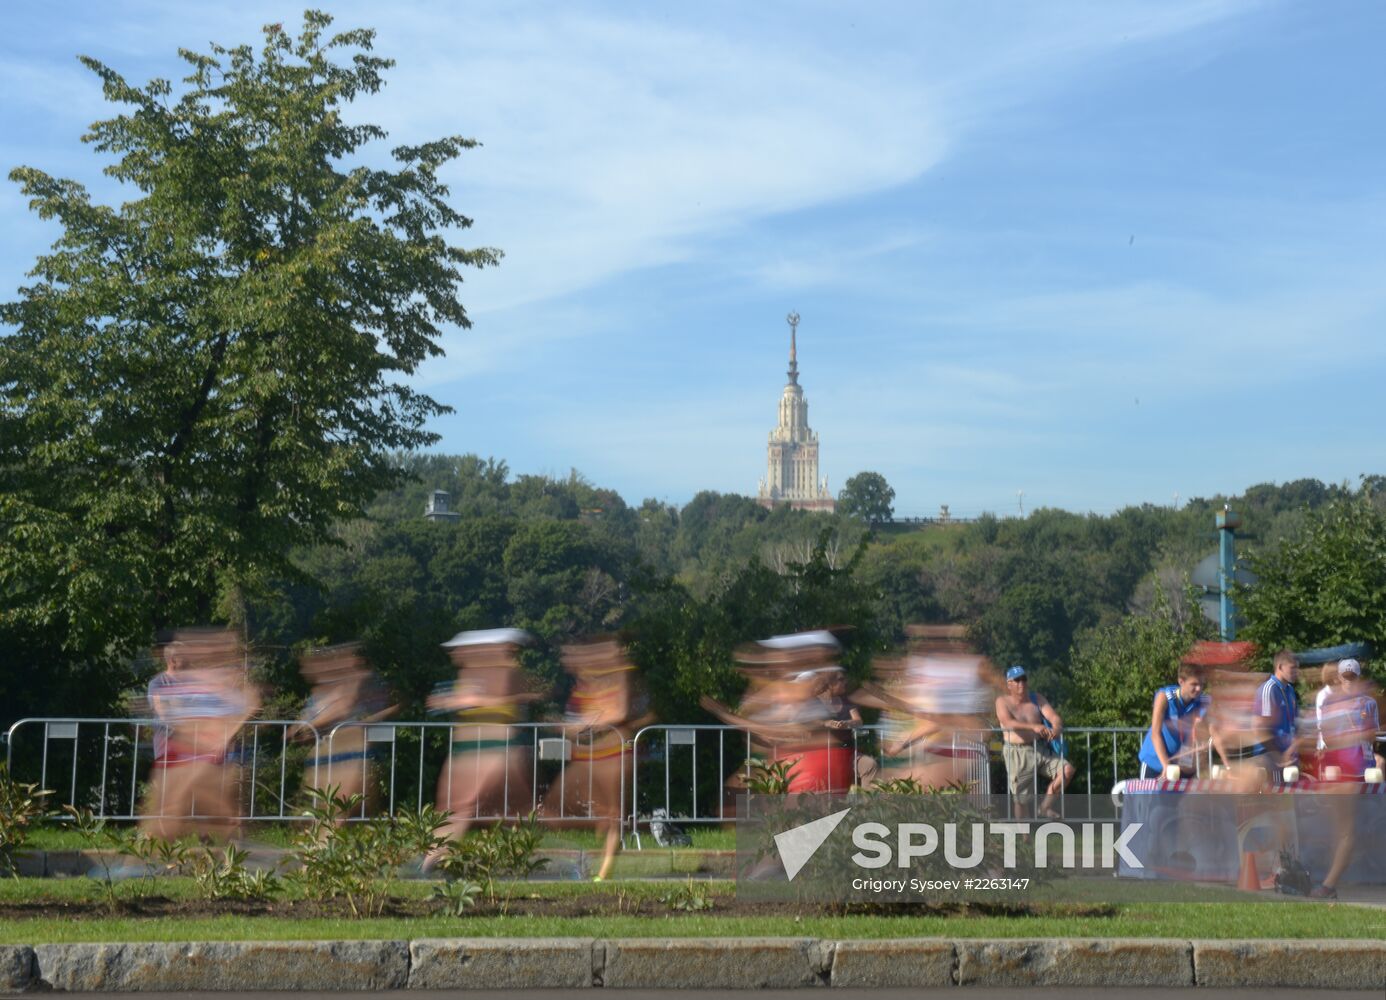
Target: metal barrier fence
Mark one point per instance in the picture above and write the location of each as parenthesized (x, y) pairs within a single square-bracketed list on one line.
[(551, 748), (706, 800), (110, 763), (1101, 756)]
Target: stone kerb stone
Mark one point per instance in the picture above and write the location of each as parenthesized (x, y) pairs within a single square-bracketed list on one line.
[(1344, 965), (16, 968), (908, 962), (501, 963), (224, 965), (1058, 962), (717, 963)]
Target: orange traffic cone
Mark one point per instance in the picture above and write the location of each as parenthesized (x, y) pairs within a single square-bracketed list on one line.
[(1249, 881)]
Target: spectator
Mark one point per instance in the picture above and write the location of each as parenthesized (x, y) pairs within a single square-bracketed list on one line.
[(1277, 704), (1179, 712), (1031, 727)]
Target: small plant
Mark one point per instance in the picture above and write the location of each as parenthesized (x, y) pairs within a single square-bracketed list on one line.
[(155, 856), (100, 839), (897, 786), (769, 777), (227, 877), (690, 896), (356, 861), (456, 895), (495, 854), (21, 804)]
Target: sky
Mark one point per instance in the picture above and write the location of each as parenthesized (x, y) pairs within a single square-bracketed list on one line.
[(1071, 254)]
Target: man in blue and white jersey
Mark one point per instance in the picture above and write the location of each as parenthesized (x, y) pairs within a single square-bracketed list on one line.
[(1278, 706)]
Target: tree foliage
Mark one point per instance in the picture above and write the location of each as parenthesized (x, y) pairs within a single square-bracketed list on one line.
[(1324, 585), (1116, 668), (208, 375), (868, 496)]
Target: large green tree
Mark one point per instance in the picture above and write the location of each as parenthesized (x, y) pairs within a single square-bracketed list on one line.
[(868, 496), (1324, 585), (210, 373)]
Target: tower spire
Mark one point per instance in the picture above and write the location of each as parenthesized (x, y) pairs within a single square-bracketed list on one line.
[(793, 320)]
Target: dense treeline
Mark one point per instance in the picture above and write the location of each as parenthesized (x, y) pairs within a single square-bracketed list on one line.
[(1096, 605)]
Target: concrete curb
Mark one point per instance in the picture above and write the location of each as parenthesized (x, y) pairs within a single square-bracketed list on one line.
[(1341, 965), (16, 968), (1060, 962), (502, 963), (900, 963), (223, 965), (673, 963), (717, 963)]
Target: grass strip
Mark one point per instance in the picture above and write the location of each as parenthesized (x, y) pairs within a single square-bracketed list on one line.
[(1181, 921)]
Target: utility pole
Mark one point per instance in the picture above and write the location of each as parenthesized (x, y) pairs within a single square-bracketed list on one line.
[(1020, 501), (1228, 523)]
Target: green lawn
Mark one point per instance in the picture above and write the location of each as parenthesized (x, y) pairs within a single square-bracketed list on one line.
[(1150, 921), (1142, 920)]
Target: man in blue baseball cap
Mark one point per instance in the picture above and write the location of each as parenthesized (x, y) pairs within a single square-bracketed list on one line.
[(1031, 728)]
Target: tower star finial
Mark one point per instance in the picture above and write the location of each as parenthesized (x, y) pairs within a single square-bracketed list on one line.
[(793, 320)]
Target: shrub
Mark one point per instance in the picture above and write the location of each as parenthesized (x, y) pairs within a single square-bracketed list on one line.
[(494, 854), (355, 861), (20, 805)]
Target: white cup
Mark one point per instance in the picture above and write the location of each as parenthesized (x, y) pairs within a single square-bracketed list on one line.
[(1290, 775), (1173, 772), (1373, 776), (1217, 771), (1331, 773)]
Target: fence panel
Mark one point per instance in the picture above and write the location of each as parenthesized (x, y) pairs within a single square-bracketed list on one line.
[(108, 765), (415, 758)]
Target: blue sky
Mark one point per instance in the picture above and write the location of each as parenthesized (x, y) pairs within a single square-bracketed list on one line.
[(1103, 253)]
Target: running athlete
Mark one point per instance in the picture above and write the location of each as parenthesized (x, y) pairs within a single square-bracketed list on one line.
[(201, 701), (1348, 724), (606, 708), (346, 696), (488, 765)]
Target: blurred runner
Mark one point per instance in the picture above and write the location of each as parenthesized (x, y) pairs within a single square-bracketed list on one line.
[(346, 693), (608, 708), (201, 701), (935, 704), (1348, 724), (1239, 728), (785, 715), (488, 768)]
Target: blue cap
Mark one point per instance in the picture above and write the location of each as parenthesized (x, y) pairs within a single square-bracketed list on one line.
[(1015, 672)]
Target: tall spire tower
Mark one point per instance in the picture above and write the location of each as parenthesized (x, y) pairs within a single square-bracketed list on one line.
[(791, 475), (793, 320)]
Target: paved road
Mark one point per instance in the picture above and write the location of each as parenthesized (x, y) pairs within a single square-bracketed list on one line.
[(955, 993)]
